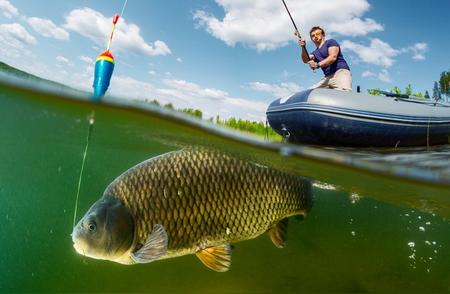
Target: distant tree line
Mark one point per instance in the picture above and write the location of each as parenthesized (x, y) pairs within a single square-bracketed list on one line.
[(257, 128), (444, 86), (440, 89), (397, 90)]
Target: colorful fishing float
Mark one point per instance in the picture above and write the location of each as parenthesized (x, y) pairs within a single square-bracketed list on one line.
[(104, 65)]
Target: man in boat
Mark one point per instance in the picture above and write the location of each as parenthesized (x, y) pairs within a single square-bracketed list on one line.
[(329, 58)]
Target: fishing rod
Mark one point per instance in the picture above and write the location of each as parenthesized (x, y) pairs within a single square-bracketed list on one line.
[(297, 33)]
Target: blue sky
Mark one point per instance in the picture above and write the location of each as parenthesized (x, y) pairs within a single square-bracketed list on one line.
[(226, 57)]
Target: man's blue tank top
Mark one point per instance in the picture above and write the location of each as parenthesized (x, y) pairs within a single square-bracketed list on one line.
[(322, 53)]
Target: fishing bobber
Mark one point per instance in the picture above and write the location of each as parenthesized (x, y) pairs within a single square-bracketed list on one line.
[(104, 67)]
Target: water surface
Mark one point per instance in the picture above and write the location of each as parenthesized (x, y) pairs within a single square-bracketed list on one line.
[(380, 220)]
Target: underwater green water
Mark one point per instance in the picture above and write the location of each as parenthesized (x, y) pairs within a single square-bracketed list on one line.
[(366, 231)]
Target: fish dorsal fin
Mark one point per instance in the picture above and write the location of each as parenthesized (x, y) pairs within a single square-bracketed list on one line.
[(217, 258), (154, 248), (278, 233)]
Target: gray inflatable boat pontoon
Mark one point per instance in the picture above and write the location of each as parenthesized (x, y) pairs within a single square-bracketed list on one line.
[(341, 118)]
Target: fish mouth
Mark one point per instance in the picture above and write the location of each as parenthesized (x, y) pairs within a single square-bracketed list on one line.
[(78, 249), (76, 243)]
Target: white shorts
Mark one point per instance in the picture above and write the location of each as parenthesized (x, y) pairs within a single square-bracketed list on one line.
[(340, 80)]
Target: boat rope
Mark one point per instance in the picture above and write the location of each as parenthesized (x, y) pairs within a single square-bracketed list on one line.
[(90, 128), (428, 134), (428, 126)]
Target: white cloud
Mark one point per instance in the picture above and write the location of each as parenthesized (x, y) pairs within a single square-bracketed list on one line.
[(278, 91), (86, 59), (213, 101), (47, 28), (355, 27), (368, 74), (377, 53), (8, 9), (79, 77), (382, 54), (96, 27), (185, 94), (417, 50), (247, 105), (127, 87), (179, 60), (81, 80), (184, 89), (265, 25), (383, 75), (63, 60), (14, 40), (17, 32)]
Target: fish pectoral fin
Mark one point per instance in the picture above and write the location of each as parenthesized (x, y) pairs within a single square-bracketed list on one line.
[(154, 248), (217, 258), (278, 233)]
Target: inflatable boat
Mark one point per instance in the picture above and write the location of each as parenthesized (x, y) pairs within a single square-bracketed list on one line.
[(341, 118)]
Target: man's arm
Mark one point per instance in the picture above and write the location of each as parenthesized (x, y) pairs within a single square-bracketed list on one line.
[(333, 52), (304, 55)]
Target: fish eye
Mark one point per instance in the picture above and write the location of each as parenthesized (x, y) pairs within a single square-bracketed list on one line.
[(92, 226)]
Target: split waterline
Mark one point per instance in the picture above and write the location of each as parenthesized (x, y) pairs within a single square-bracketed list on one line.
[(379, 222)]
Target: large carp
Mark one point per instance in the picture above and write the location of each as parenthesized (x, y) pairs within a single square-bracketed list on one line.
[(190, 201)]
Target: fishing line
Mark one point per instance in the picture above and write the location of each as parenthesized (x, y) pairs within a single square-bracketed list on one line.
[(115, 20), (90, 128), (123, 8)]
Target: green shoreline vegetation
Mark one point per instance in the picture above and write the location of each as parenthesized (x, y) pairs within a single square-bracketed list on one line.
[(257, 128), (441, 89)]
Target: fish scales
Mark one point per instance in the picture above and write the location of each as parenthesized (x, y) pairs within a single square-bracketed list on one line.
[(225, 198)]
